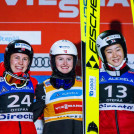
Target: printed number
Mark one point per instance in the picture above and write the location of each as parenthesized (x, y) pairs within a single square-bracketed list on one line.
[(122, 91), (109, 88), (25, 100)]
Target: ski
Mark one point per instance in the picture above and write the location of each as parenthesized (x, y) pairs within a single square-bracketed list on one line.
[(83, 23), (90, 64), (132, 8)]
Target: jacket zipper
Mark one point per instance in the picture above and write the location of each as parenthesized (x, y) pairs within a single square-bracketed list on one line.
[(116, 119), (20, 127)]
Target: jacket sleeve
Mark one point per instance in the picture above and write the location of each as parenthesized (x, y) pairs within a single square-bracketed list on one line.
[(2, 68), (39, 104)]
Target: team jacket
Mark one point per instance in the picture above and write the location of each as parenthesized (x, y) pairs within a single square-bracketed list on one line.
[(116, 103), (62, 108), (16, 115)]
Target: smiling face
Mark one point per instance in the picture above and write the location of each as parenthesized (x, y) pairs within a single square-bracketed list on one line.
[(114, 54), (19, 62), (64, 63)]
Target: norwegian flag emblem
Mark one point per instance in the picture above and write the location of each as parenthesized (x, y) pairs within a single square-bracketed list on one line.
[(23, 49), (65, 51), (113, 41)]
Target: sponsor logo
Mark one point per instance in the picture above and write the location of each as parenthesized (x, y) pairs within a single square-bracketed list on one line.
[(64, 47), (23, 46), (66, 93), (26, 88), (16, 116), (91, 45), (92, 63), (68, 106), (77, 116), (41, 62), (1, 79), (68, 8), (112, 37), (3, 90), (74, 2), (92, 86), (8, 36), (6, 39), (121, 79), (116, 106), (102, 79)]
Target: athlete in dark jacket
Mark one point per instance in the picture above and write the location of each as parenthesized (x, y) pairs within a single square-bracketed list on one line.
[(17, 89), (116, 85)]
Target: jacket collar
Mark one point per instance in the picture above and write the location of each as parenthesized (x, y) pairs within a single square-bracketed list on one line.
[(116, 71)]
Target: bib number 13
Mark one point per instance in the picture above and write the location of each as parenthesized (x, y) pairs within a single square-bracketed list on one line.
[(14, 103), (121, 91)]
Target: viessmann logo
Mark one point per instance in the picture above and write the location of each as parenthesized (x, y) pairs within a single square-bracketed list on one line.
[(54, 2), (68, 8), (68, 106)]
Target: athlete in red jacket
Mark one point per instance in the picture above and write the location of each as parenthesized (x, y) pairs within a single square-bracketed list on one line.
[(116, 80), (17, 89)]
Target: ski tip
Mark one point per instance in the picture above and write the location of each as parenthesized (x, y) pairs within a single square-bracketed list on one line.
[(92, 127)]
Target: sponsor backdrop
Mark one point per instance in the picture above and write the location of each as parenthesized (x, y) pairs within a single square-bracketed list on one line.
[(42, 22)]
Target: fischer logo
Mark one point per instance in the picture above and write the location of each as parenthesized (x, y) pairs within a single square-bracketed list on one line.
[(16, 116)]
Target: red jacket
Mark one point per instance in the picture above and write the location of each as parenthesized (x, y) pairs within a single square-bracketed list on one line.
[(17, 127), (111, 120), (116, 98)]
